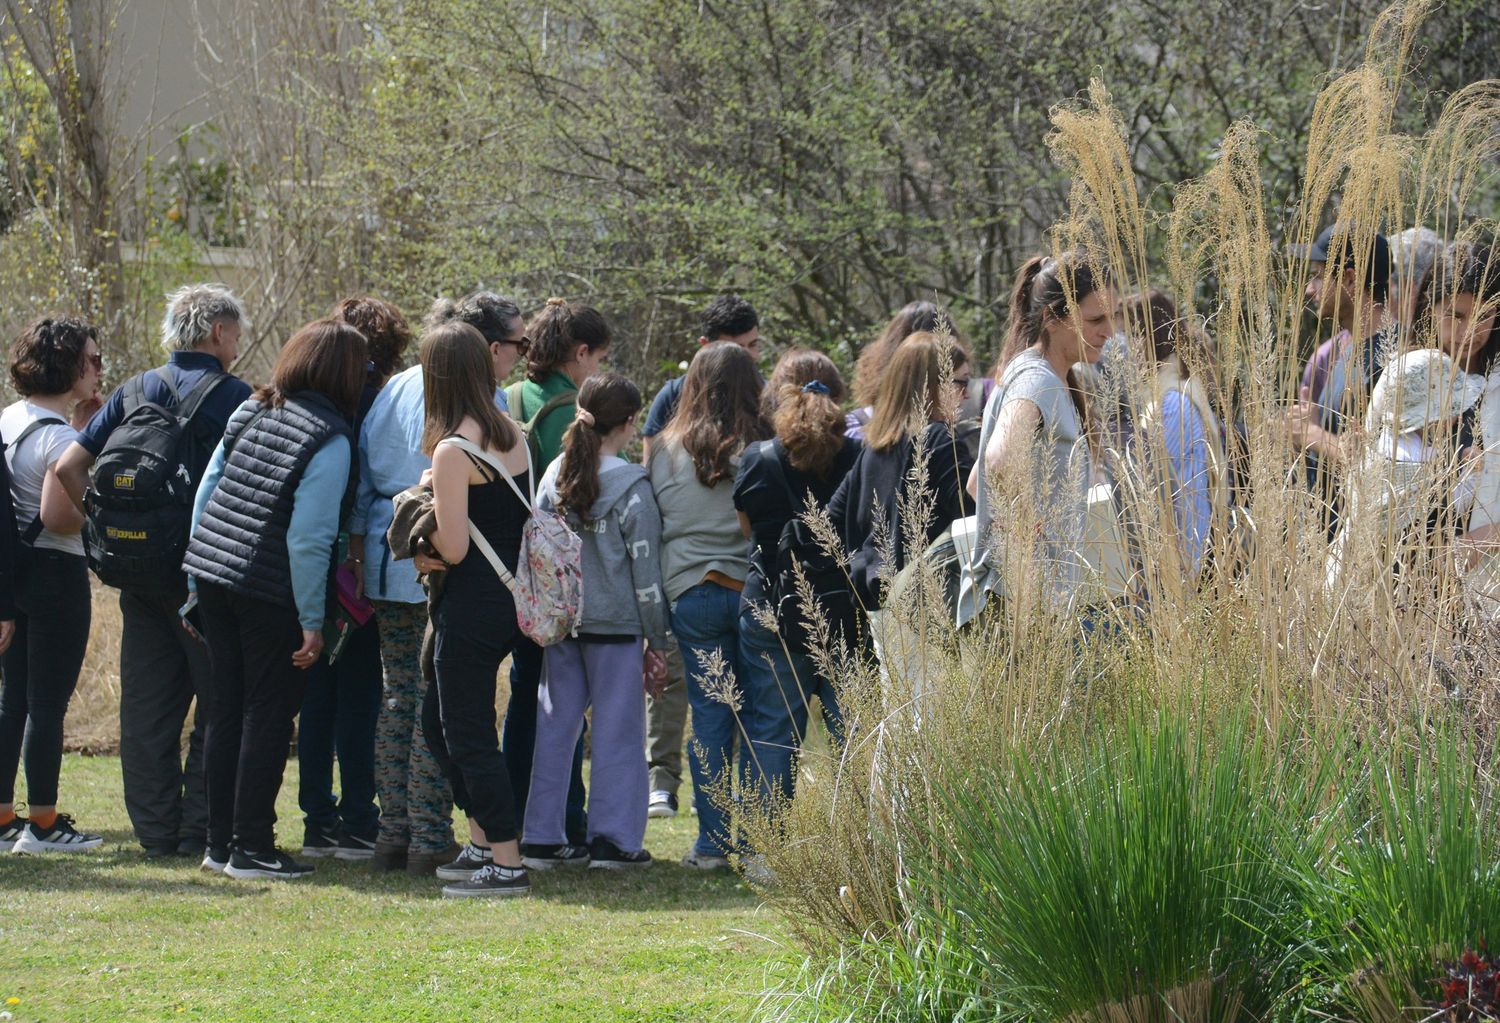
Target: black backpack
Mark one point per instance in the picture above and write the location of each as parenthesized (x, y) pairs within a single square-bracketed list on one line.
[(139, 504), (798, 549)]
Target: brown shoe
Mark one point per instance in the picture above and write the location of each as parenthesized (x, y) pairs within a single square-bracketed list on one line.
[(425, 864), (388, 856)]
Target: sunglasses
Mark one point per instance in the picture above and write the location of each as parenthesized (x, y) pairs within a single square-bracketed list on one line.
[(523, 344)]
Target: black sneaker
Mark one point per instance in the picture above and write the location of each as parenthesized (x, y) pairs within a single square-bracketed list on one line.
[(605, 855), (545, 857), (490, 881), (472, 858), (61, 837), (273, 865), (352, 847), (216, 858), (11, 833), (192, 847), (318, 844)]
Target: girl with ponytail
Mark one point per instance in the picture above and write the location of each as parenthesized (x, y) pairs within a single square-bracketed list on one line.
[(611, 504), (806, 461), (1061, 313)]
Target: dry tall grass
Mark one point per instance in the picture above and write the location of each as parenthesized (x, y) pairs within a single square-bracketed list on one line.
[(1273, 635)]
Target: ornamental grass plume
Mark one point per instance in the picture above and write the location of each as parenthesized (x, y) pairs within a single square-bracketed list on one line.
[(1253, 787)]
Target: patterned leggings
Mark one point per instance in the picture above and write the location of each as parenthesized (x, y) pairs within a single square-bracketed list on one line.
[(416, 805)]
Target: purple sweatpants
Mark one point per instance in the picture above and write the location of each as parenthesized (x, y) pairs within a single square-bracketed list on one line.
[(608, 676)]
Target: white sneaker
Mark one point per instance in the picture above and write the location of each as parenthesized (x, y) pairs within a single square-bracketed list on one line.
[(61, 837), (662, 804), (701, 861), (754, 869)]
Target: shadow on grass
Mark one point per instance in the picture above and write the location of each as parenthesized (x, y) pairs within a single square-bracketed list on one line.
[(118, 869)]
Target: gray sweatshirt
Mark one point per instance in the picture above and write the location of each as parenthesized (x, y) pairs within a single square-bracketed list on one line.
[(622, 590)]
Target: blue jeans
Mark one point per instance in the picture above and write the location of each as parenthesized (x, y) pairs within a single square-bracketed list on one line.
[(778, 685), (705, 619), (339, 712)]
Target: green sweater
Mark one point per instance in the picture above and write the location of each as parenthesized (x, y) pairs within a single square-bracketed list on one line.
[(548, 432)]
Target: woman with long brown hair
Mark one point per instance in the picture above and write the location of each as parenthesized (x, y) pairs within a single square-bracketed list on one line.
[(693, 466), (265, 527), (806, 461), (481, 475)]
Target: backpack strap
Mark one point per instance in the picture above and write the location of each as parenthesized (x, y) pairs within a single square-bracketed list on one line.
[(474, 450), (187, 407), (515, 401), (164, 374), (34, 530), (552, 404)]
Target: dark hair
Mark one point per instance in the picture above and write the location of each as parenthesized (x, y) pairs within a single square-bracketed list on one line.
[(47, 358), (728, 316), (613, 401), (384, 328), (1056, 286), (719, 412), (809, 424), (912, 318), (1151, 318), (327, 356), (914, 378), (494, 317), (1465, 270), (458, 382), (557, 331)]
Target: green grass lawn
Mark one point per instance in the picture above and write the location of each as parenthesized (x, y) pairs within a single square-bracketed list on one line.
[(109, 936)]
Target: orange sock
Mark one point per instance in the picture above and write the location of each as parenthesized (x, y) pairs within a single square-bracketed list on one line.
[(43, 821), (8, 818)]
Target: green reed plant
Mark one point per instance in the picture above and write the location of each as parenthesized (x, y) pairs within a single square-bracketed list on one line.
[(1410, 882), (1132, 873)]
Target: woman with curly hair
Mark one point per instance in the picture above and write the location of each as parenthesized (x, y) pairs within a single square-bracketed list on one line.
[(56, 368)]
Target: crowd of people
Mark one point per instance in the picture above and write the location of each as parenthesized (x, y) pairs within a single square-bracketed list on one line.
[(269, 567)]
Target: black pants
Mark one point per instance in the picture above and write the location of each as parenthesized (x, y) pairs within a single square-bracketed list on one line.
[(518, 740), (470, 639), (41, 670), (254, 694), (162, 669), (339, 714)]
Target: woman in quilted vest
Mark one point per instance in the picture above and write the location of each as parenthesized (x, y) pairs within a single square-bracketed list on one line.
[(609, 502), (264, 530), (480, 476)]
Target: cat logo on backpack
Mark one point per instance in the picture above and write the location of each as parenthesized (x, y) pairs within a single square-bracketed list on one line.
[(124, 481)]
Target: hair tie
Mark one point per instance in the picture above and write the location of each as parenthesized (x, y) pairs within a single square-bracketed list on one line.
[(554, 300), (815, 387), (584, 416)]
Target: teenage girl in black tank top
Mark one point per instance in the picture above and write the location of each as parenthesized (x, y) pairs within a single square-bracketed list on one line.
[(474, 620)]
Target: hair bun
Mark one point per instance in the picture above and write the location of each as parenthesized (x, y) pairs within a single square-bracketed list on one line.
[(554, 300)]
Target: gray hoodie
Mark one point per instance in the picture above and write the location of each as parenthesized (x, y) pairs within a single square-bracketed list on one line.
[(622, 590)]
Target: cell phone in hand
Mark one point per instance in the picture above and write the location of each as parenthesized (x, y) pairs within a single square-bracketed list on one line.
[(192, 618)]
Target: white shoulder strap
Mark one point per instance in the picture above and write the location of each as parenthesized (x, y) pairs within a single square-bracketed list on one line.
[(478, 540), (464, 444)]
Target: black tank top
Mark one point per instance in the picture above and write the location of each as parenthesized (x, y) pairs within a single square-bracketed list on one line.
[(499, 515)]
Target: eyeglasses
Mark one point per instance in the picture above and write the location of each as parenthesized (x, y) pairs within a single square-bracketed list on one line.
[(522, 343), (961, 385)]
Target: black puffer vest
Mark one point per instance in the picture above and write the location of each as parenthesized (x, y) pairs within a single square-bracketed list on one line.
[(240, 542)]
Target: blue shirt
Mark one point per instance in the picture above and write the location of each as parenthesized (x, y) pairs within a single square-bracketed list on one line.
[(1187, 447), (187, 368), (390, 460), (664, 407)]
